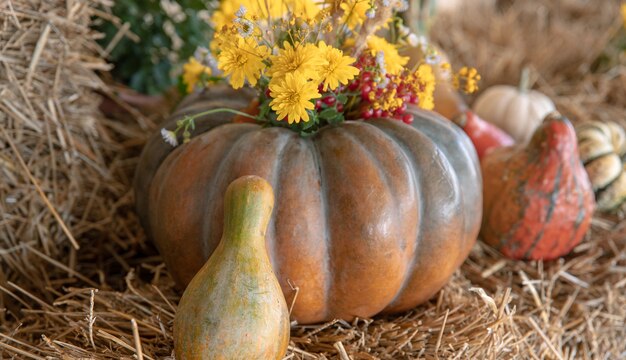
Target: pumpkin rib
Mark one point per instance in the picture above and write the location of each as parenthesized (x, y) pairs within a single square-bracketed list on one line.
[(363, 133), (432, 258), (318, 159), (225, 161), (460, 152), (515, 104), (274, 181), (596, 156), (363, 209), (408, 156), (298, 214)]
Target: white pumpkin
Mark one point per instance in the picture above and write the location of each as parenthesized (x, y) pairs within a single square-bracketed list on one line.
[(516, 110)]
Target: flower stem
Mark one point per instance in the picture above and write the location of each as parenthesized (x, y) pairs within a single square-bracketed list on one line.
[(524, 82), (188, 124), (218, 110)]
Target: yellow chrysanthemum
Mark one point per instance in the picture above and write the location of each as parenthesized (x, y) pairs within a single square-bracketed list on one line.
[(303, 61), (242, 61), (394, 63), (338, 69), (354, 12), (624, 14), (425, 78), (192, 71), (292, 98)]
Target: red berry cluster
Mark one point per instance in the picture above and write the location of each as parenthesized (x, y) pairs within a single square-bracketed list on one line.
[(382, 95), (328, 100)]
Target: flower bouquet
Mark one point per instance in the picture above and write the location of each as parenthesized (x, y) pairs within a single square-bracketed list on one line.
[(317, 64)]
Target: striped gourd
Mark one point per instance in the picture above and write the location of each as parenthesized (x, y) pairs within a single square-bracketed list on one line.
[(602, 146)]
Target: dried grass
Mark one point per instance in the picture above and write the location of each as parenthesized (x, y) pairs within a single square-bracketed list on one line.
[(113, 297)]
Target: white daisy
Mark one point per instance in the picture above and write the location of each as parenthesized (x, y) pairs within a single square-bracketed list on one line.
[(245, 28), (169, 137)]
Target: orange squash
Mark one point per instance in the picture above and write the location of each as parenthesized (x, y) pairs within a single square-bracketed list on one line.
[(371, 216), (234, 308), (538, 199)]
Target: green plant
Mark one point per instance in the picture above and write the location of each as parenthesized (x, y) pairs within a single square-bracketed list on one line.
[(168, 33)]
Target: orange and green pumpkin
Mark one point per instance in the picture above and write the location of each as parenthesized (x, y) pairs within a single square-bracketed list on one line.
[(370, 216)]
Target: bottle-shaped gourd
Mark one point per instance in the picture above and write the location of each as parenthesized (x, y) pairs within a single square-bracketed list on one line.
[(234, 307)]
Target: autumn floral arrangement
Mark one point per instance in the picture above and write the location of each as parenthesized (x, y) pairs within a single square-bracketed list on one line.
[(314, 64)]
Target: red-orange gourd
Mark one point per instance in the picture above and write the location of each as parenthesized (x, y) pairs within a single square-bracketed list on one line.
[(233, 308), (370, 216), (538, 199)]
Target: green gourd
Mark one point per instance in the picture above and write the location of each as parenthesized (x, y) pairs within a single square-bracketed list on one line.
[(234, 307)]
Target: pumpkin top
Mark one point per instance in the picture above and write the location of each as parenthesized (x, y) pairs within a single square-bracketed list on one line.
[(555, 133)]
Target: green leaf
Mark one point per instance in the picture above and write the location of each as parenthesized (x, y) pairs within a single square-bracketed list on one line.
[(307, 125), (337, 119), (342, 98), (329, 113)]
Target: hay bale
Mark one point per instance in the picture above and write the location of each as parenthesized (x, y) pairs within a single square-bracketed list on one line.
[(58, 188)]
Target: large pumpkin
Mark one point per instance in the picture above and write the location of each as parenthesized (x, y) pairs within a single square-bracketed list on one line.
[(369, 217)]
